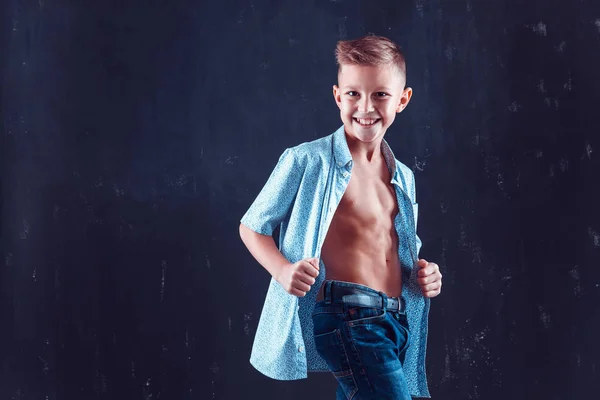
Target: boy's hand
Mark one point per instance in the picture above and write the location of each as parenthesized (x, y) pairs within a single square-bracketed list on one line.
[(298, 278), (429, 278)]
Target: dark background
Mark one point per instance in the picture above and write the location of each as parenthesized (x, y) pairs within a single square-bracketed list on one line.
[(136, 134)]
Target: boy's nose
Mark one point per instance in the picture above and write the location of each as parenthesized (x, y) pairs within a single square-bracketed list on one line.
[(365, 105)]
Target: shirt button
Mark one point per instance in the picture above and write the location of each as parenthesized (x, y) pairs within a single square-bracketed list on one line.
[(301, 349), (339, 164), (345, 174)]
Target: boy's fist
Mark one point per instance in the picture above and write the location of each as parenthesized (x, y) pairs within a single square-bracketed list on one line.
[(429, 278), (297, 278)]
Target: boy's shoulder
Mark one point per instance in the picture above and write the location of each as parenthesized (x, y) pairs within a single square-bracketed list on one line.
[(404, 169), (408, 182), (317, 146), (315, 150)]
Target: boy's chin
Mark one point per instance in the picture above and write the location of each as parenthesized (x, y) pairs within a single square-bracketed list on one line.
[(365, 134)]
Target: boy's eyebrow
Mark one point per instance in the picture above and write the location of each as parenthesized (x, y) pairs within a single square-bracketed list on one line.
[(378, 89)]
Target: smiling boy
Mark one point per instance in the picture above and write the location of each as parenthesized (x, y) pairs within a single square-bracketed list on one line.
[(348, 293)]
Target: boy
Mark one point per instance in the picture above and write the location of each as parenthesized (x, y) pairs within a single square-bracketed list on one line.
[(347, 289)]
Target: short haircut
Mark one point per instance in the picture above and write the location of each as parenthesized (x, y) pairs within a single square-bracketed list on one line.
[(370, 51)]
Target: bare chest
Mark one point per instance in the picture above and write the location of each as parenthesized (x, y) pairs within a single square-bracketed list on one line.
[(369, 199)]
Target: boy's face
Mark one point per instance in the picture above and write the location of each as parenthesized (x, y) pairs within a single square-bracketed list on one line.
[(369, 98)]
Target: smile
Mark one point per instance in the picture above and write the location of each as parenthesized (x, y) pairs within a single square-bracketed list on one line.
[(366, 121)]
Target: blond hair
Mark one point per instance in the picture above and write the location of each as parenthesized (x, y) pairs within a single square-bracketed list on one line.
[(372, 51)]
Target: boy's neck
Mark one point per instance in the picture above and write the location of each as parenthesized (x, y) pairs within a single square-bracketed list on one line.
[(364, 153)]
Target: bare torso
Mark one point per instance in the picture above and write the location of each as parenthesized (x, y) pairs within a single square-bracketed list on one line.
[(361, 245)]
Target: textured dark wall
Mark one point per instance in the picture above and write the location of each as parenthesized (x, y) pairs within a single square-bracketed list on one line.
[(136, 134)]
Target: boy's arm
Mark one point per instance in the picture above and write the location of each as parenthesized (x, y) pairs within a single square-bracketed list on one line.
[(416, 211), (273, 203), (271, 207), (296, 278), (429, 276), (264, 250)]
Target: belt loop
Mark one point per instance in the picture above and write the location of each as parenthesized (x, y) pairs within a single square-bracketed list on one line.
[(383, 298), (327, 292)]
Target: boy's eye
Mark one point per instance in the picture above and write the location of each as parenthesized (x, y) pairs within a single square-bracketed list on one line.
[(353, 93)]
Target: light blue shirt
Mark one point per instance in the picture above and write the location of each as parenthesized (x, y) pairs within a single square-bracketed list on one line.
[(302, 195)]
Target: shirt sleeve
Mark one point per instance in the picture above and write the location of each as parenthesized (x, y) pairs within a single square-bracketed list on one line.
[(273, 203)]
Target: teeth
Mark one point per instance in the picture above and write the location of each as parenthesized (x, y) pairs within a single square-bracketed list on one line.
[(363, 121)]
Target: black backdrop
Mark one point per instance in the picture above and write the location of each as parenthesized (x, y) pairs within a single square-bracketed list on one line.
[(136, 134)]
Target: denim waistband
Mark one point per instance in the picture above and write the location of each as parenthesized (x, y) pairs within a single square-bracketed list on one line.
[(340, 292)]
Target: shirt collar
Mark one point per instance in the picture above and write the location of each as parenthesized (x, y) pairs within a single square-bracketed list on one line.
[(341, 152), (343, 157)]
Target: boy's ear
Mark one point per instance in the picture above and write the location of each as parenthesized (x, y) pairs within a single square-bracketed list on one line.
[(404, 99), (337, 96)]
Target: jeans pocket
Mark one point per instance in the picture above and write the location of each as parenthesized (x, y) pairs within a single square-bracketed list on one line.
[(330, 346), (357, 315), (404, 335)]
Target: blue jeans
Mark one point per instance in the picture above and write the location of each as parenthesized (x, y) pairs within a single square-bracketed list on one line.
[(363, 346)]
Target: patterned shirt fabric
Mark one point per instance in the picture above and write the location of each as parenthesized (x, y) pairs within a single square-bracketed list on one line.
[(302, 194)]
